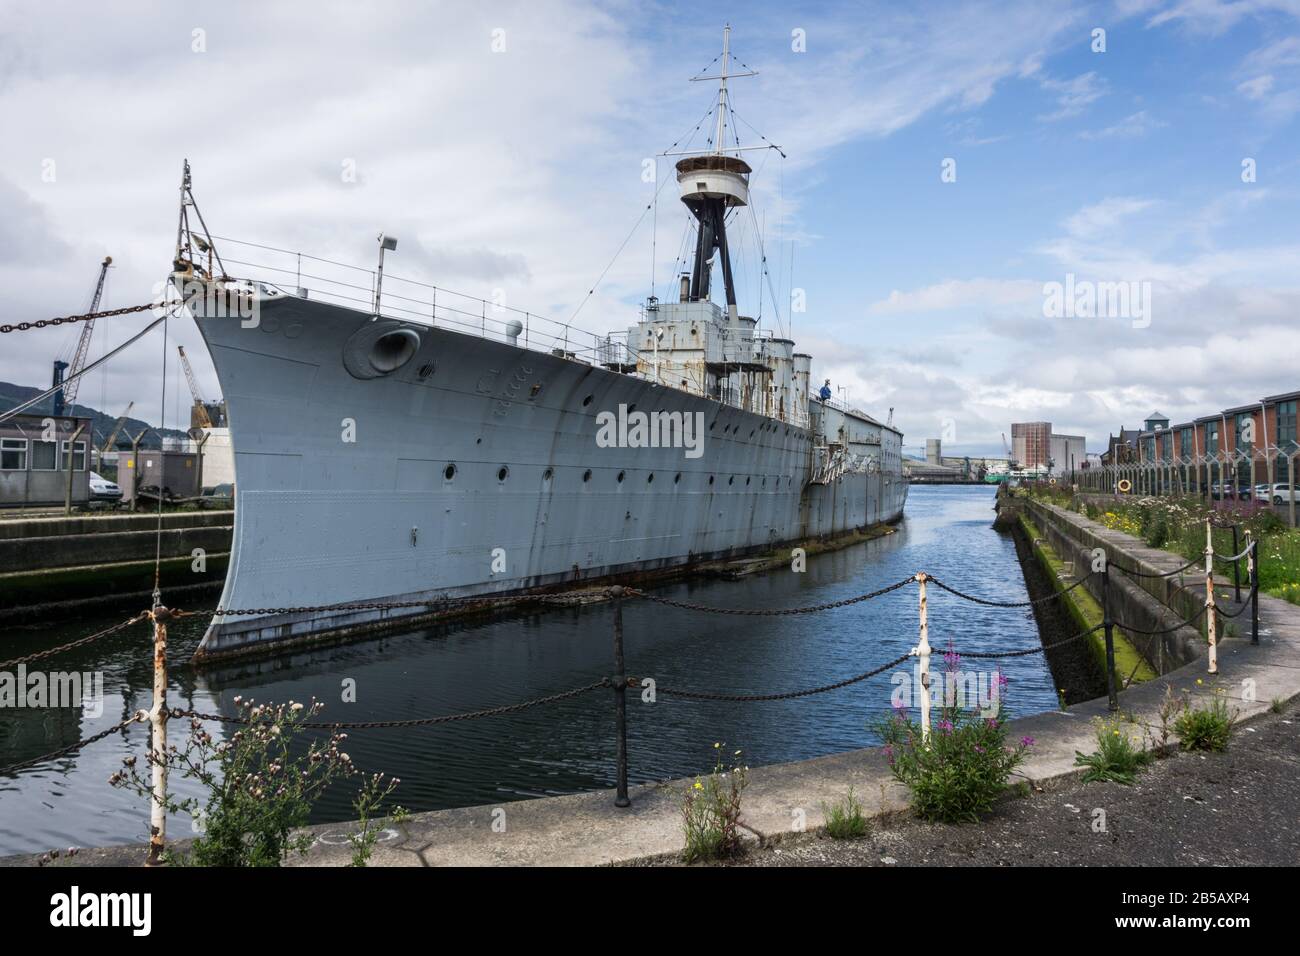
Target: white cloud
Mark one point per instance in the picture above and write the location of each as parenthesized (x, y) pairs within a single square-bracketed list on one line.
[(1074, 95), (1102, 217), (1257, 88), (1130, 127), (956, 293)]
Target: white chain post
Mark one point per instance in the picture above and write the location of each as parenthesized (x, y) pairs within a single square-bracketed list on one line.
[(923, 655), (158, 743), (1209, 599)]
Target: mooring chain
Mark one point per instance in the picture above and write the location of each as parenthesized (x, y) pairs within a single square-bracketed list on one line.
[(70, 749), (1233, 558), (434, 603), (789, 695), (763, 612), (50, 652), (979, 600), (1245, 605), (1160, 574), (1032, 650), (63, 320), (413, 722), (1167, 630)]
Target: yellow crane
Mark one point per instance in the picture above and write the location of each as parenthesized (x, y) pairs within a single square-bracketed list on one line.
[(204, 420), (117, 428)]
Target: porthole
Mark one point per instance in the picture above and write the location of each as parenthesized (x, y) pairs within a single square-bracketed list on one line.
[(677, 478), (650, 479), (712, 423), (587, 401), (449, 472), (747, 480), (751, 433), (546, 475), (710, 479), (586, 475), (731, 480), (620, 477), (503, 473)]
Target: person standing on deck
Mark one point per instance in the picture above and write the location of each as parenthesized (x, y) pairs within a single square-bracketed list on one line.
[(826, 391)]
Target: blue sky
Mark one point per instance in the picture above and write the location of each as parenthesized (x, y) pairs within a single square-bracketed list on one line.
[(518, 171)]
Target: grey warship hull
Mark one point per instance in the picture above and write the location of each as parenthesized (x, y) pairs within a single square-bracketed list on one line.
[(473, 467)]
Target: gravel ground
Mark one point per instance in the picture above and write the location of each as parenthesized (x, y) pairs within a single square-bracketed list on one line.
[(1238, 808)]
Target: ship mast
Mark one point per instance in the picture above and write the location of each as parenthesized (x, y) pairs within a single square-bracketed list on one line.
[(722, 90), (711, 184)]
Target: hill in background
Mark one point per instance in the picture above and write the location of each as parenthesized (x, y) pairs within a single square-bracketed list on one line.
[(102, 424)]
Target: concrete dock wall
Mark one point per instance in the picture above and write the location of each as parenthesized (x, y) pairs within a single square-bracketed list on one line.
[(1148, 603)]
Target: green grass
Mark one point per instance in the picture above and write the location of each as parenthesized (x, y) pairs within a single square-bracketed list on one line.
[(845, 819), (1206, 728), (1118, 757)]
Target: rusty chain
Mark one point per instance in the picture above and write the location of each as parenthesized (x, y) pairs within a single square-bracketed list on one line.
[(979, 600), (990, 655), (1161, 574), (777, 612), (66, 319), (50, 652), (70, 749), (789, 695), (413, 722), (435, 603)]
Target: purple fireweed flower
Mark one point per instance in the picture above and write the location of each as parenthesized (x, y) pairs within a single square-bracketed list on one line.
[(979, 749), (991, 723), (1002, 679), (1026, 741)]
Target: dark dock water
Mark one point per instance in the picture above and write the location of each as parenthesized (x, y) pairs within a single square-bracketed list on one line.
[(568, 746)]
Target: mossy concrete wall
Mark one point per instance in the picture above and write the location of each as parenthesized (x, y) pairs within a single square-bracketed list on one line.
[(49, 562), (1145, 603)]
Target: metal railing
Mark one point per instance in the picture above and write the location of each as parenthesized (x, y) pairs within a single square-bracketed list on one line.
[(406, 299)]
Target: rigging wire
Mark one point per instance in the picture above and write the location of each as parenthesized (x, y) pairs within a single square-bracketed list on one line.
[(653, 204), (18, 409), (158, 488)]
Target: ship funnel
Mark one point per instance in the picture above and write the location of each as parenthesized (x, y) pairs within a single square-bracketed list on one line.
[(513, 328)]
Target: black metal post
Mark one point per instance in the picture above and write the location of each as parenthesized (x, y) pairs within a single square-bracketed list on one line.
[(1111, 690), (620, 699), (1236, 565), (1254, 591)]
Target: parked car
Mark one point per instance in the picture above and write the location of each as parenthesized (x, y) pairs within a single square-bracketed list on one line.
[(1221, 490), (1278, 494), (101, 489)]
